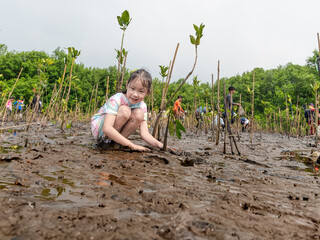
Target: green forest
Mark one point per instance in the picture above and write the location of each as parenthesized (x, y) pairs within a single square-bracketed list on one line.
[(274, 89)]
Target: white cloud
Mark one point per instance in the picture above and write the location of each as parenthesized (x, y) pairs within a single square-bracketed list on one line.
[(242, 34)]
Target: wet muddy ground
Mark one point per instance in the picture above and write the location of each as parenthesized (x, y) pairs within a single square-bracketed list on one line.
[(57, 185)]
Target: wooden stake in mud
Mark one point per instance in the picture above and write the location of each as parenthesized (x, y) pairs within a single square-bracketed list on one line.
[(239, 122), (218, 105), (252, 102), (107, 88), (226, 125), (296, 118), (212, 107), (316, 118)]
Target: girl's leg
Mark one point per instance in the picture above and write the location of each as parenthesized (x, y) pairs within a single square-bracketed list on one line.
[(133, 122), (123, 115)]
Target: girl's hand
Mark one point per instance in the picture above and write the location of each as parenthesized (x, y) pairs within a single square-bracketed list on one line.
[(138, 148)]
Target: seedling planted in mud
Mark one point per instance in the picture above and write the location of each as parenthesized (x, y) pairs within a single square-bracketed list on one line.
[(124, 21), (194, 41)]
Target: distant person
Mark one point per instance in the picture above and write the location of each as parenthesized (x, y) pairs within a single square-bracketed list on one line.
[(9, 105), (19, 106), (244, 122), (309, 114), (229, 105), (199, 114), (215, 122), (177, 109), (125, 112), (36, 104)]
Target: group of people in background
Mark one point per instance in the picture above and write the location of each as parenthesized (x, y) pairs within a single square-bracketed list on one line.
[(17, 106), (201, 111)]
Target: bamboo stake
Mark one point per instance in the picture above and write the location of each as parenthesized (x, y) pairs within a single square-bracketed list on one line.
[(212, 107), (107, 88), (218, 105), (238, 122), (226, 122), (252, 117), (95, 98)]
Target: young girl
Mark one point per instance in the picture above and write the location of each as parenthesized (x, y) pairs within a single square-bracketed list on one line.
[(125, 112)]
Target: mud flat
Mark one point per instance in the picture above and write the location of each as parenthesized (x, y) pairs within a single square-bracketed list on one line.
[(57, 185)]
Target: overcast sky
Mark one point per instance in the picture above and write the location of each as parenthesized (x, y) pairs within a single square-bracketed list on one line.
[(242, 34)]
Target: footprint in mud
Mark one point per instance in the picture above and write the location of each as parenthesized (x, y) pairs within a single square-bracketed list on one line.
[(156, 158), (112, 178)]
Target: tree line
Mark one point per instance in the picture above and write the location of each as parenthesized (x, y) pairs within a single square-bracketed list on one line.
[(273, 88)]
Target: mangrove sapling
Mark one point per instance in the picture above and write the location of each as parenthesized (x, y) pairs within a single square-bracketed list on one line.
[(218, 105), (74, 54), (5, 109), (195, 41), (175, 127), (124, 21), (164, 92), (123, 70), (57, 99), (164, 72)]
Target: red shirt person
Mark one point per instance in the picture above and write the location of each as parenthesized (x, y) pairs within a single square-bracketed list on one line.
[(177, 107)]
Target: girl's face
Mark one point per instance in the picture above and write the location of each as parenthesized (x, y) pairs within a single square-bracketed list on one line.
[(136, 92)]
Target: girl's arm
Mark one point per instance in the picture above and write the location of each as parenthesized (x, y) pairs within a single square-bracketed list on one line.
[(113, 134), (147, 137)]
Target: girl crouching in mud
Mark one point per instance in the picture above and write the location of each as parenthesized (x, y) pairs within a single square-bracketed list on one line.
[(124, 112)]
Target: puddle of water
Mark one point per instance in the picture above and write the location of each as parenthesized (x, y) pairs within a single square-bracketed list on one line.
[(63, 180), (51, 193), (297, 156), (12, 148)]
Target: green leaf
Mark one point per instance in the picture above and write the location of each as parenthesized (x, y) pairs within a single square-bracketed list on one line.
[(120, 21), (171, 128), (68, 126), (195, 27), (125, 17), (180, 126), (192, 40)]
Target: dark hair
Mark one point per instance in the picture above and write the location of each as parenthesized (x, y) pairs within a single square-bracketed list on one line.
[(142, 75), (179, 96), (231, 88)]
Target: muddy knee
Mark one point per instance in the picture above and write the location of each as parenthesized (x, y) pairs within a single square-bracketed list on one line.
[(124, 113), (137, 115)]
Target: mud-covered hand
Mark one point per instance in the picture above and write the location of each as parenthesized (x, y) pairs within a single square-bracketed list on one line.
[(138, 148)]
